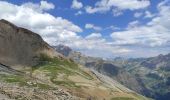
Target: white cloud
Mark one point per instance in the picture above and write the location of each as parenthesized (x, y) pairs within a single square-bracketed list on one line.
[(155, 33), (149, 14), (162, 3), (133, 24), (79, 13), (76, 4), (107, 5), (117, 12), (138, 14), (91, 26), (44, 5), (98, 46), (113, 28), (94, 36), (91, 10)]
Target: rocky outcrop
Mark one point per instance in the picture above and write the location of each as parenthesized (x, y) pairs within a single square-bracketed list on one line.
[(15, 92), (21, 47)]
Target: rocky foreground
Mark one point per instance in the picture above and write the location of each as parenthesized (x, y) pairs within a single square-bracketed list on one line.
[(15, 92)]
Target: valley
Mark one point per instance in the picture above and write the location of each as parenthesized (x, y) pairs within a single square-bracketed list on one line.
[(146, 76)]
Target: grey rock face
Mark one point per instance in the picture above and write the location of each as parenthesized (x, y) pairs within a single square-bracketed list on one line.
[(19, 46)]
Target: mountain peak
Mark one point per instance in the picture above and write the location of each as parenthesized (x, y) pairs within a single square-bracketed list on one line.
[(3, 21), (65, 50)]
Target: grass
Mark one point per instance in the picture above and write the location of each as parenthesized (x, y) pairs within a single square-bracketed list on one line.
[(14, 79), (122, 98), (56, 66), (66, 83), (22, 81), (43, 86), (53, 67)]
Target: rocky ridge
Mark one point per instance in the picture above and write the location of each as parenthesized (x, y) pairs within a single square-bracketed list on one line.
[(21, 47)]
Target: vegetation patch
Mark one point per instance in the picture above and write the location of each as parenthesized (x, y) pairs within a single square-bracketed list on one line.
[(122, 98), (43, 86), (55, 66), (23, 81), (14, 79), (66, 83)]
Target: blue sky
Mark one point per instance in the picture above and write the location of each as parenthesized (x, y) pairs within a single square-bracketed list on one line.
[(107, 19), (102, 28)]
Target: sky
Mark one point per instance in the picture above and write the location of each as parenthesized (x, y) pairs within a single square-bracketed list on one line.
[(99, 28)]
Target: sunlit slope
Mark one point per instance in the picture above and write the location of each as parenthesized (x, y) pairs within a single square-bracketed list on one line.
[(55, 74)]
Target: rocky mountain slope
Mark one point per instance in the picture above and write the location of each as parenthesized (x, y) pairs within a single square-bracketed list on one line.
[(30, 69)]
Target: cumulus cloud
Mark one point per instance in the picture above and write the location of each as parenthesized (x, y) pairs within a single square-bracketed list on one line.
[(138, 14), (107, 5), (44, 5), (79, 13), (97, 45), (133, 24), (149, 14), (155, 33), (117, 12), (94, 36), (91, 26), (56, 30), (76, 4), (112, 28)]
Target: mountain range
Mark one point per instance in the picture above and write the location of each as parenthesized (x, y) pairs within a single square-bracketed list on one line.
[(31, 69), (146, 76), (153, 72)]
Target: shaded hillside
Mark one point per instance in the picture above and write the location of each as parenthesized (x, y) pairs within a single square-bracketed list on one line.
[(21, 47)]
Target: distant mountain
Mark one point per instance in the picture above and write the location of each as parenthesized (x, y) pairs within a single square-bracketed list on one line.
[(154, 73), (104, 67), (66, 51), (147, 76), (31, 69)]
